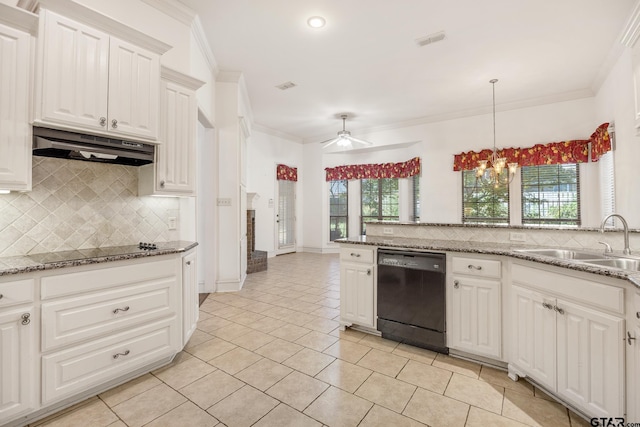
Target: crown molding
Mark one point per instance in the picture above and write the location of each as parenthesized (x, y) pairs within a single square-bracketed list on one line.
[(197, 30), (95, 19), (180, 78), (276, 133), (607, 65), (173, 9), (631, 30), (528, 103), (229, 76), (19, 19)]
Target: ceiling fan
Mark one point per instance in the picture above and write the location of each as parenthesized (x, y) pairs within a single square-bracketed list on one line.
[(344, 138)]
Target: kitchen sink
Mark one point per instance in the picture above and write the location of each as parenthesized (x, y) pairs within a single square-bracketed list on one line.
[(562, 253), (623, 263)]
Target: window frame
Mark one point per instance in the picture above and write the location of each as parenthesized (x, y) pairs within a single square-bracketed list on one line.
[(539, 221), (346, 204), (380, 206), (468, 190)]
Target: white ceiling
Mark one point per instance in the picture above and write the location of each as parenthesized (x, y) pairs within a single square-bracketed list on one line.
[(365, 60)]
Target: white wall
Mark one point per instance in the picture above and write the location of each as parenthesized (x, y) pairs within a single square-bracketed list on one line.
[(437, 143), (264, 152), (614, 102)]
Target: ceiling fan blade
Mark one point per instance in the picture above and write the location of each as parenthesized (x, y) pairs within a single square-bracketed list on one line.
[(360, 141), (330, 142)]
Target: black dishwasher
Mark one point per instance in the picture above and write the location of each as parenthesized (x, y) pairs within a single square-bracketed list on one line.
[(411, 298)]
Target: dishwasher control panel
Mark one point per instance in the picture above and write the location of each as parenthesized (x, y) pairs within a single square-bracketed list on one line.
[(427, 261)]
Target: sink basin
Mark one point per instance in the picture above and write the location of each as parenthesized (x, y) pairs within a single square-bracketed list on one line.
[(561, 253), (623, 263)]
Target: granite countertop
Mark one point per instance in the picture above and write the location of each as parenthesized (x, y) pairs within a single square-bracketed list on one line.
[(502, 226), (53, 260), (488, 248)]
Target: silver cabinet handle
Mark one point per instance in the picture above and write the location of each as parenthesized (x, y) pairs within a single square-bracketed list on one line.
[(558, 309), (26, 318), (1, 296), (456, 284), (114, 123), (117, 355), (637, 312), (547, 306), (103, 121), (161, 184), (355, 255), (629, 338), (474, 267), (368, 272), (121, 309), (188, 263)]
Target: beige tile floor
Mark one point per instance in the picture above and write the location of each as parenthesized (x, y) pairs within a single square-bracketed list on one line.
[(272, 355)]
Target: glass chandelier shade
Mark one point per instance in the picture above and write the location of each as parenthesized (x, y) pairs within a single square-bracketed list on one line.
[(499, 171)]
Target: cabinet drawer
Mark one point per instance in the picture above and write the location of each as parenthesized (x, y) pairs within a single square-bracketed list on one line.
[(79, 368), (106, 277), (476, 267), (356, 255), (70, 320), (637, 306), (18, 292)]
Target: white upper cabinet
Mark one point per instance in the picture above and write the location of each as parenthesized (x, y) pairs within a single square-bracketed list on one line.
[(134, 84), (92, 81), (15, 76), (75, 73), (173, 172)]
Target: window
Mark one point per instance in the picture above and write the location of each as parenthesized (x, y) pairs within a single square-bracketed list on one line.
[(338, 209), (415, 187), (551, 195), (481, 202), (379, 199)]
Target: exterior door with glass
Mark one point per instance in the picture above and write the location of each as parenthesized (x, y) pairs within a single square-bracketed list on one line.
[(286, 217)]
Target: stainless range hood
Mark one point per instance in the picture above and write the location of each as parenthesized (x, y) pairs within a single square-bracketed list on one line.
[(77, 146)]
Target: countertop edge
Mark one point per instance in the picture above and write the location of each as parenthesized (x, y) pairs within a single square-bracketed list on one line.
[(94, 260), (424, 244)]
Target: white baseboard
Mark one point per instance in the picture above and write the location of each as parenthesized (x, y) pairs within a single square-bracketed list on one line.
[(228, 285)]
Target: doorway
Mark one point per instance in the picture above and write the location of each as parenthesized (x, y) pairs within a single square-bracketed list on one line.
[(286, 217)]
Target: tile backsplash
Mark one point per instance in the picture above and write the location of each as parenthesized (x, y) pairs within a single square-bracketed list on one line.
[(77, 205), (566, 238)]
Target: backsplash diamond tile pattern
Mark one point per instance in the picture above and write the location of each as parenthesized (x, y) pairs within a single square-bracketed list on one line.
[(77, 205), (577, 239)]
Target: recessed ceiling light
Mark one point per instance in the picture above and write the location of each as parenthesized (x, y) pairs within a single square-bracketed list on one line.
[(316, 22)]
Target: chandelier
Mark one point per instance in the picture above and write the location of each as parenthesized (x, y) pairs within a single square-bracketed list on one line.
[(495, 170)]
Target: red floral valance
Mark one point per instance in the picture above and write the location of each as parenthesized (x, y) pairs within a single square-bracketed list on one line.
[(554, 153), (375, 171), (600, 142), (286, 173)]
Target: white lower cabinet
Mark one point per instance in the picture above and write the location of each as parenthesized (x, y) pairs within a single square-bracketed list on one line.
[(18, 381), (71, 371), (357, 288), (633, 360), (475, 324), (190, 297), (573, 350), (474, 320)]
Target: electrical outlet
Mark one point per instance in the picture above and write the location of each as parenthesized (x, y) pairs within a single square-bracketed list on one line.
[(224, 201), (173, 223), (387, 230), (517, 237)]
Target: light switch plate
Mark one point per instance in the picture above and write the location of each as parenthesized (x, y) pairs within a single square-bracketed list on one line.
[(387, 230), (173, 223)]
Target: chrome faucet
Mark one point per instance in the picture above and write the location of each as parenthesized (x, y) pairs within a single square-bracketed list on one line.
[(626, 250)]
